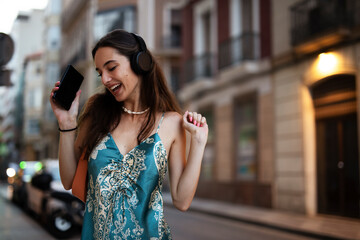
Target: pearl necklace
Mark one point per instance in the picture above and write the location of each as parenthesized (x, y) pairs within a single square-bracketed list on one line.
[(131, 112)]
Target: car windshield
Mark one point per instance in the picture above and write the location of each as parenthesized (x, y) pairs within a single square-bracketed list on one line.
[(52, 167), (55, 173), (30, 168)]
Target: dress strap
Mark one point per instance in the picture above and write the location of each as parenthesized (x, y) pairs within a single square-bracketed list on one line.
[(162, 117)]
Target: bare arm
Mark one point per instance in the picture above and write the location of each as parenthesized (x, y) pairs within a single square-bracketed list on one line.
[(184, 175), (68, 153)]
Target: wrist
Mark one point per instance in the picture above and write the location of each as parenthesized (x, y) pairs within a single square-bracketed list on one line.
[(67, 125), (198, 139), (68, 130)]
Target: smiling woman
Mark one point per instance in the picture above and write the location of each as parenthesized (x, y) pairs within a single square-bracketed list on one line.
[(131, 133)]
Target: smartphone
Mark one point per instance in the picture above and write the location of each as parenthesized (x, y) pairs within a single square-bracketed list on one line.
[(69, 85)]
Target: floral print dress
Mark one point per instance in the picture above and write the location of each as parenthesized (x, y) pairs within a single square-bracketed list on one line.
[(124, 199)]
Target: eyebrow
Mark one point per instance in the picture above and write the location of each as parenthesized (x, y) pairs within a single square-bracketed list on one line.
[(110, 61)]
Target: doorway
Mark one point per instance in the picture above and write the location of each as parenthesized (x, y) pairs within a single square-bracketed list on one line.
[(337, 148)]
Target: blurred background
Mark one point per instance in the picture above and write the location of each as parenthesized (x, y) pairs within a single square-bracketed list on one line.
[(276, 79)]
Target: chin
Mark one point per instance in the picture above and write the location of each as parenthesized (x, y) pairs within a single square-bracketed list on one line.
[(119, 98)]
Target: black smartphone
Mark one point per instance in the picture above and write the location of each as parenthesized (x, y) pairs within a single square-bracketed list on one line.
[(69, 85)]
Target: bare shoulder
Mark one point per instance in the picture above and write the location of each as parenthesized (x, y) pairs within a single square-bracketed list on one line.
[(171, 126), (172, 120), (173, 116)]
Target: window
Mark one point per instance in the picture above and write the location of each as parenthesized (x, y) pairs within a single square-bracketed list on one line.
[(52, 73), (203, 64), (205, 20), (172, 28), (175, 28), (123, 18), (49, 115), (246, 139), (54, 7), (244, 31), (174, 78), (53, 38), (33, 127), (34, 98)]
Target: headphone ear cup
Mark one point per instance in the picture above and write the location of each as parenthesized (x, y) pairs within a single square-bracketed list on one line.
[(144, 61), (134, 63), (141, 62)]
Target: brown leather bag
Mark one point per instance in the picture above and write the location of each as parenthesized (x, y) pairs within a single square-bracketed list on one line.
[(79, 185)]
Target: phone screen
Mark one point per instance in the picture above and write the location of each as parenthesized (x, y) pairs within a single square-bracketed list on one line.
[(69, 84)]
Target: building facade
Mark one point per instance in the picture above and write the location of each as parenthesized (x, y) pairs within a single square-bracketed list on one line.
[(277, 81), (160, 24), (225, 47), (51, 59), (315, 79), (33, 143), (27, 32)]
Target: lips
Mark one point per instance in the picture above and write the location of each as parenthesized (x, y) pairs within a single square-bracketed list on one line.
[(115, 88)]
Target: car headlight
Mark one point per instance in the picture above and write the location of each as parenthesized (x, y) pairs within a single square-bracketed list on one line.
[(10, 172)]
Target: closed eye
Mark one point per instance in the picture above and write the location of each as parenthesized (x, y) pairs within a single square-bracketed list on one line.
[(112, 69)]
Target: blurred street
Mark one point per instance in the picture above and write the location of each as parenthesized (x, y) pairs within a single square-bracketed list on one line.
[(16, 224), (197, 223), (194, 225), (185, 226)]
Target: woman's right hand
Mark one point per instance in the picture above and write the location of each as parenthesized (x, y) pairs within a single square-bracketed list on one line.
[(66, 119)]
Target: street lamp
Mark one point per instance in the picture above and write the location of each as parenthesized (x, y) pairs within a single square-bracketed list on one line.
[(327, 62), (6, 52)]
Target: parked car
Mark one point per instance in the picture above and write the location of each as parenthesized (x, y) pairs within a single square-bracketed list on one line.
[(24, 172), (46, 198)]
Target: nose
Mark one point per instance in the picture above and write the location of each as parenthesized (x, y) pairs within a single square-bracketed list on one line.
[(105, 78)]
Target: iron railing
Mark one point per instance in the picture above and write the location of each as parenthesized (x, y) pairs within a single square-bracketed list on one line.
[(313, 18), (202, 66), (240, 48), (171, 41)]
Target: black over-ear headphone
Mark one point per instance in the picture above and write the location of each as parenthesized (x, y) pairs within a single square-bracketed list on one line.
[(141, 61)]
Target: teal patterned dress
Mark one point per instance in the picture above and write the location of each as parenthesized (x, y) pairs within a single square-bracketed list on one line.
[(124, 199)]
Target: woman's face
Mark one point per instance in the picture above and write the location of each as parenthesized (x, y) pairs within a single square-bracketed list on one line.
[(116, 74)]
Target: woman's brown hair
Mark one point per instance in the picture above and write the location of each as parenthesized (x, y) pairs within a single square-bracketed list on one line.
[(103, 113)]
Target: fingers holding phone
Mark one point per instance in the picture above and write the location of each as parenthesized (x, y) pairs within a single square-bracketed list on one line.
[(61, 114), (68, 87), (65, 95)]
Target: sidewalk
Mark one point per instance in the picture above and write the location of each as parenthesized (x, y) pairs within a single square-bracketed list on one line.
[(15, 224), (318, 227)]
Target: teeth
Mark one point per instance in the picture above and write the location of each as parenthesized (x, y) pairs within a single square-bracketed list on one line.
[(115, 87)]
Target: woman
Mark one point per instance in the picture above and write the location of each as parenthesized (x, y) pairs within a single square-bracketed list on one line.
[(130, 132)]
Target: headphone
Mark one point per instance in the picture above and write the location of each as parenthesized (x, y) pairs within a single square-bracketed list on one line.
[(141, 61)]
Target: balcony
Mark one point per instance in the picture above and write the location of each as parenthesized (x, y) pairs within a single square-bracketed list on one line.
[(71, 11), (169, 46), (171, 41), (202, 66), (238, 49), (317, 24)]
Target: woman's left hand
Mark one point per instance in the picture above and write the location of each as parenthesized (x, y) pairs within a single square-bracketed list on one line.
[(196, 124)]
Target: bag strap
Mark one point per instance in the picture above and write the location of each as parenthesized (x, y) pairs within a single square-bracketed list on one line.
[(79, 184)]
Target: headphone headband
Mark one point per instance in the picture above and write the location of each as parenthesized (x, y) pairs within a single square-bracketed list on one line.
[(141, 61), (141, 42)]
